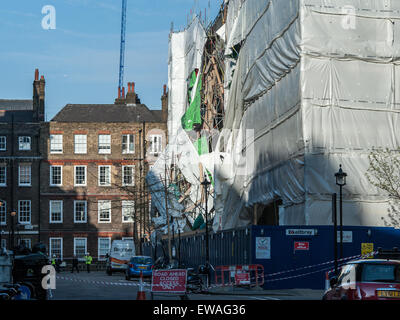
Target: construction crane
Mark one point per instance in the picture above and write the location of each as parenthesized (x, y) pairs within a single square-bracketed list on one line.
[(122, 51)]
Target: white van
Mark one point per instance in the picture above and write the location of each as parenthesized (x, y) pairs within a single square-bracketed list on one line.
[(120, 254)]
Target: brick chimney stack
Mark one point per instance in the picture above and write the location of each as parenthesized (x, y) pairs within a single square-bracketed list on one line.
[(38, 96), (131, 96), (164, 104)]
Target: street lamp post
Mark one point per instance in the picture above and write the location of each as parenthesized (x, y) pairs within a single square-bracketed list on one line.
[(206, 183), (341, 181), (334, 216), (1, 232), (13, 214)]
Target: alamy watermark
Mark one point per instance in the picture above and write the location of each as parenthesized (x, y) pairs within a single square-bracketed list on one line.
[(49, 280), (349, 21), (49, 20)]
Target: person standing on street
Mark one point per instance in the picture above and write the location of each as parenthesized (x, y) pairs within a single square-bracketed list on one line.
[(74, 264), (55, 263), (88, 260)]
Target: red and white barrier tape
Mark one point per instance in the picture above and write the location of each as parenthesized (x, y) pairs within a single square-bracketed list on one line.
[(133, 284)]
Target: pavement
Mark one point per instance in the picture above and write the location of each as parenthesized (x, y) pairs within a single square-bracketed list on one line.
[(306, 294)]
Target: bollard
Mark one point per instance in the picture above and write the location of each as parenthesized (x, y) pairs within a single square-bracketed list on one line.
[(327, 283), (141, 295)]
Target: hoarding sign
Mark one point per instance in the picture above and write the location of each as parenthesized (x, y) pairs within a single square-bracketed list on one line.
[(367, 248), (300, 232), (347, 236), (301, 245), (263, 248), (173, 281), (242, 277)]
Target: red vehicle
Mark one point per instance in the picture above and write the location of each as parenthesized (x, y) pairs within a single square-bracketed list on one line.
[(369, 279)]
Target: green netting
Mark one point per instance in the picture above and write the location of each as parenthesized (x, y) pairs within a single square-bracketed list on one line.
[(201, 145), (191, 85), (192, 115), (210, 177), (198, 222)]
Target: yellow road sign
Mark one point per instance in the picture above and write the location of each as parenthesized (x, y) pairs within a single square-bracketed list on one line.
[(367, 248)]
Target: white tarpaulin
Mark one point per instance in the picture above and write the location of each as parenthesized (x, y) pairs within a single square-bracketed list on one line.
[(317, 82), (185, 55)]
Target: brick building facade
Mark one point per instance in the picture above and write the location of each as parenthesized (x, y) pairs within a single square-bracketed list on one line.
[(20, 158), (77, 182), (96, 160)]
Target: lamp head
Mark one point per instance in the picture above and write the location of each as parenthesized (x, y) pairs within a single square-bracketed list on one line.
[(340, 177)]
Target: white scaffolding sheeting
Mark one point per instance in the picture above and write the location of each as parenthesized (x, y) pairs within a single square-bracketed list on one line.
[(185, 55), (316, 81)]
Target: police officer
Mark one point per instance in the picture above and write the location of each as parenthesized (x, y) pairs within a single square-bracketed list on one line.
[(88, 260), (55, 263)]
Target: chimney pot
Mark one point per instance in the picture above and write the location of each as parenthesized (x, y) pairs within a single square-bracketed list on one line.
[(165, 89), (42, 78), (119, 92), (133, 86), (123, 92), (36, 74)]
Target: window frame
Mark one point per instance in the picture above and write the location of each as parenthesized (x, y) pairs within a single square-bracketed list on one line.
[(86, 209), (51, 247), (75, 240), (133, 175), (50, 211), (103, 257), (99, 209), (106, 150), (3, 213), (80, 185), (5, 176), (124, 206), (58, 143), (21, 143), (78, 143), (51, 175), (30, 175), (25, 240), (30, 212), (152, 144), (128, 143), (99, 176), (3, 142)]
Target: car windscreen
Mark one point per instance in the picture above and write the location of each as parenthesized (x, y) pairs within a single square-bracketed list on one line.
[(372, 272), (142, 260)]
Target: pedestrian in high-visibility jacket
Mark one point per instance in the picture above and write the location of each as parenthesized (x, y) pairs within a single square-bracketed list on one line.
[(88, 260), (55, 263)]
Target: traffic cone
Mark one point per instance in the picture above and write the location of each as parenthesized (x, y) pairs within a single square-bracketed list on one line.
[(141, 295), (327, 282)]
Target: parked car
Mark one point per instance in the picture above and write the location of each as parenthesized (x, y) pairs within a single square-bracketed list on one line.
[(137, 264), (368, 279)]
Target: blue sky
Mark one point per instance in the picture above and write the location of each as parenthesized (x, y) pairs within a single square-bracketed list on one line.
[(80, 58)]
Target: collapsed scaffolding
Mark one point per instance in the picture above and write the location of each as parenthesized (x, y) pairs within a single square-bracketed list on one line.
[(195, 116)]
